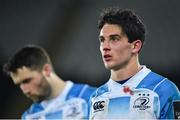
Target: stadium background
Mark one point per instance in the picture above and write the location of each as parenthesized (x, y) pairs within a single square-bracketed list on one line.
[(67, 29)]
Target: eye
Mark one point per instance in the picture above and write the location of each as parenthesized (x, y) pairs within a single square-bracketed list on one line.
[(101, 39), (115, 37), (26, 81)]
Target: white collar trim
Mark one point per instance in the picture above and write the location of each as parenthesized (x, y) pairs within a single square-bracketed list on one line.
[(132, 82)]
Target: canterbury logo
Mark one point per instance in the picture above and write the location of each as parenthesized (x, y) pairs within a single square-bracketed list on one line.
[(99, 105)]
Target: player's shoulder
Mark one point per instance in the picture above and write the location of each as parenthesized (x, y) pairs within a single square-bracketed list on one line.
[(165, 85), (155, 81), (101, 90), (163, 81), (81, 90), (159, 84), (84, 87), (32, 109)]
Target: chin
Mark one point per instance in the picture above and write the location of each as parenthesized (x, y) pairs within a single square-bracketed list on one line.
[(109, 67), (112, 67)]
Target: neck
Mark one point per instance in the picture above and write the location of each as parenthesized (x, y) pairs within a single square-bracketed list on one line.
[(127, 71), (57, 85)]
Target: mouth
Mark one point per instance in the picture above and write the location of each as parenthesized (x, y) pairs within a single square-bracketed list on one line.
[(107, 57)]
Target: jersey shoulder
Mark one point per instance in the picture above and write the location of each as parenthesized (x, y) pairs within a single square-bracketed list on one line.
[(34, 108), (83, 91), (101, 90), (166, 90), (158, 83)]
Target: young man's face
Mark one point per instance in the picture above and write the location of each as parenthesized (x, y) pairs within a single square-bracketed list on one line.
[(114, 46), (32, 83)]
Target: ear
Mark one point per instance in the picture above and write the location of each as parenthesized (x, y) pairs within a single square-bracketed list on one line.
[(47, 70), (136, 46)]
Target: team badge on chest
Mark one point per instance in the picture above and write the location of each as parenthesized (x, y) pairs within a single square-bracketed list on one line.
[(144, 104)]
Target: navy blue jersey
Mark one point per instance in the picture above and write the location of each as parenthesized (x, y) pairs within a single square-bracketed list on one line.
[(146, 95), (71, 103)]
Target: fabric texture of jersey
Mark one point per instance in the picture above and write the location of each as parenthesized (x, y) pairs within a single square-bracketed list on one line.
[(146, 95), (71, 103)]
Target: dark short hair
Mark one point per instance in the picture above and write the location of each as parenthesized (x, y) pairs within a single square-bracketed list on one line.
[(31, 56), (131, 24)]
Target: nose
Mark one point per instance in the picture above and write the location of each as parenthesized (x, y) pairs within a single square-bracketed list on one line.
[(24, 88), (106, 46)]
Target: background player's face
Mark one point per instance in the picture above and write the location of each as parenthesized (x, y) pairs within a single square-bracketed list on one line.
[(32, 83), (114, 46)]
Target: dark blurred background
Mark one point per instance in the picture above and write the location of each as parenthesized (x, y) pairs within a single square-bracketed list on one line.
[(67, 29)]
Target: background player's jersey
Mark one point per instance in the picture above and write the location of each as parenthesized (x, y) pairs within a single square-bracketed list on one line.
[(71, 103), (146, 95)]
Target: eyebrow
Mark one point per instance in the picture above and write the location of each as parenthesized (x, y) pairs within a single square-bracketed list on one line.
[(115, 35), (23, 81), (111, 35)]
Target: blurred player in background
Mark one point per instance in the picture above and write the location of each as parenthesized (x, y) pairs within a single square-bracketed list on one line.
[(31, 69), (133, 91)]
